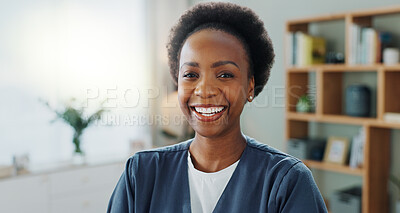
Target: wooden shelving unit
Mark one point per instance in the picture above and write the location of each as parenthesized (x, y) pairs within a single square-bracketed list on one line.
[(334, 167), (329, 95)]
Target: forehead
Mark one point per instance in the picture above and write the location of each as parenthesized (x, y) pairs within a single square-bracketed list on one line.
[(213, 45)]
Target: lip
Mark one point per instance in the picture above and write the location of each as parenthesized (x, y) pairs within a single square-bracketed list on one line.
[(207, 118)]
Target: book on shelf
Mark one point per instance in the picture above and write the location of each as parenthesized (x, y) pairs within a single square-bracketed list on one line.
[(392, 117), (357, 149), (367, 45), (303, 49), (289, 48)]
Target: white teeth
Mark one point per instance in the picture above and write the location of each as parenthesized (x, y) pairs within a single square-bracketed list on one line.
[(208, 111)]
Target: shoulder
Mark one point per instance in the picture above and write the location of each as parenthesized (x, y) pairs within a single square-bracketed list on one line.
[(179, 147), (293, 187), (159, 155), (182, 146), (264, 152), (276, 164)]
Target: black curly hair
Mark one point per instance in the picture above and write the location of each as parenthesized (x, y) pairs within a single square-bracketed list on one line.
[(237, 20)]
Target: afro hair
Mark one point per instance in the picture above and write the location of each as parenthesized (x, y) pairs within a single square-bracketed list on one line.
[(237, 20)]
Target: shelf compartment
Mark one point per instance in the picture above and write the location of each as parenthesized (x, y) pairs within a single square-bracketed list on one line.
[(392, 91), (384, 20), (334, 86), (331, 28), (333, 167), (299, 84)]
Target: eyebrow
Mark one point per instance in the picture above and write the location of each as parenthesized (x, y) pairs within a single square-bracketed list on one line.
[(192, 64), (214, 65), (221, 63)]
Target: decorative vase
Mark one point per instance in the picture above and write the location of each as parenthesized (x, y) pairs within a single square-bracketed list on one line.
[(358, 100), (391, 56)]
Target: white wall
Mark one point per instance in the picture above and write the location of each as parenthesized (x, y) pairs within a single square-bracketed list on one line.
[(55, 50)]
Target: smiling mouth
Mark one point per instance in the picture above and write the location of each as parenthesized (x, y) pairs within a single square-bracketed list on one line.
[(208, 113)]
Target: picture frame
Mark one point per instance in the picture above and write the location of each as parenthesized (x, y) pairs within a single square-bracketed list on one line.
[(337, 150)]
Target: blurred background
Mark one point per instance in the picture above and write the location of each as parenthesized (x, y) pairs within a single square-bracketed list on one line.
[(88, 55)]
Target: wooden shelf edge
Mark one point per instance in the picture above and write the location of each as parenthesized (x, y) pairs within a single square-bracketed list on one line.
[(335, 16), (341, 119), (301, 116), (333, 167), (385, 124), (378, 11), (395, 68), (321, 18), (343, 67)]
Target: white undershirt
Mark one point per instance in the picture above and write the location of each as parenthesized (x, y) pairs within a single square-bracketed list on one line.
[(206, 188)]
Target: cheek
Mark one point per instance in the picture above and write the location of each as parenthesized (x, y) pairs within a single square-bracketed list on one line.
[(183, 97), (236, 94)]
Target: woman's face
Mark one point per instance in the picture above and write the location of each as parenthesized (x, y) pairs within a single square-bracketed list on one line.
[(213, 83)]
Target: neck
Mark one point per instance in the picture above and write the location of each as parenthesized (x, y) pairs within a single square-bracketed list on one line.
[(217, 153)]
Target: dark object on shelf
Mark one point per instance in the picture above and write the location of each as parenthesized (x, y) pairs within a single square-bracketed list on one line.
[(346, 200), (306, 148), (358, 101), (334, 58)]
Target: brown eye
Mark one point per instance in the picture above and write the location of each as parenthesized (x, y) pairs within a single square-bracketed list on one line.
[(226, 75), (189, 75)]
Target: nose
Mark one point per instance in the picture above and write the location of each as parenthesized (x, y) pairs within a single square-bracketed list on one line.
[(206, 88)]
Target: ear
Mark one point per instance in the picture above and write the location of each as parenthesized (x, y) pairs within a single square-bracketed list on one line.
[(250, 92)]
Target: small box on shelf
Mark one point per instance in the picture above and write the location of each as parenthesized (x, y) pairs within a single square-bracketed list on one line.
[(306, 148), (346, 200), (391, 117)]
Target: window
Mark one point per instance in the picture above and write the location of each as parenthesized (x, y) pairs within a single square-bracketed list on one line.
[(55, 50)]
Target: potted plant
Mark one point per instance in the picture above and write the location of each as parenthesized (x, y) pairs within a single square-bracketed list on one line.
[(75, 117), (304, 104)]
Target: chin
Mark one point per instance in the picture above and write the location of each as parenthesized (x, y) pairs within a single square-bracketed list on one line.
[(208, 132)]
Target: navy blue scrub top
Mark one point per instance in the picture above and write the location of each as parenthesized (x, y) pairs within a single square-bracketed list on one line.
[(265, 180)]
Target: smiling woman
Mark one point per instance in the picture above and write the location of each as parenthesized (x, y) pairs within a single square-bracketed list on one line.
[(213, 74), (220, 57)]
